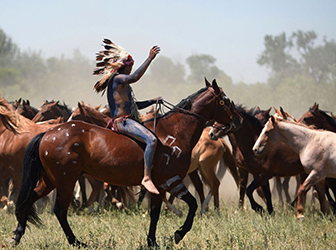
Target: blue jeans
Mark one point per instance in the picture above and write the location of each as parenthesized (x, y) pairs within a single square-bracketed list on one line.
[(139, 132)]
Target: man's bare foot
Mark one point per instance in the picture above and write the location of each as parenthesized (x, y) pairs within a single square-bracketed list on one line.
[(149, 185)]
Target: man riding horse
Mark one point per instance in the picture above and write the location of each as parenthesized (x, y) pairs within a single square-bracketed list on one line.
[(116, 65)]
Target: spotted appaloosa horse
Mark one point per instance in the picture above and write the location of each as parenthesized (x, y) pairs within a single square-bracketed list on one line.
[(56, 158)]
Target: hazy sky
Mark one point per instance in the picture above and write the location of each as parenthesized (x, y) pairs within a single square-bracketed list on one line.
[(231, 31)]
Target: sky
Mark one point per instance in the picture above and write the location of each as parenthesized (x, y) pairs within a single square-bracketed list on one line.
[(231, 31)]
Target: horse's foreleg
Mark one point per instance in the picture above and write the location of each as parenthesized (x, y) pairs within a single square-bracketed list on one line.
[(285, 185), (312, 178), (278, 186), (267, 192), (155, 207), (242, 187), (176, 187), (250, 189), (198, 184)]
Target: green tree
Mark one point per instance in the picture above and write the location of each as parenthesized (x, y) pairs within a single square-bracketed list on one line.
[(202, 66)]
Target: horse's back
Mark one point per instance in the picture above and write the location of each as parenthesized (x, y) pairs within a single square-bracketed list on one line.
[(79, 147)]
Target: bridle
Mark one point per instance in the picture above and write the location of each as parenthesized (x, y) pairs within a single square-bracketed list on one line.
[(221, 103)]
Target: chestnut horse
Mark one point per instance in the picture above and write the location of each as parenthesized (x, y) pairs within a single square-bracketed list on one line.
[(56, 158), (52, 110), (315, 148), (15, 133), (279, 160)]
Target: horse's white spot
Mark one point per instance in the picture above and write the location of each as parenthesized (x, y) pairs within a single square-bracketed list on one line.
[(168, 158), (64, 173), (176, 148), (74, 162), (59, 129), (68, 153), (73, 125), (169, 138), (67, 134), (54, 138), (59, 148), (57, 162), (76, 144), (46, 153), (83, 131)]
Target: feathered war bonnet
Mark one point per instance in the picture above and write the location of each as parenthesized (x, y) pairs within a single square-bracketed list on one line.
[(109, 61)]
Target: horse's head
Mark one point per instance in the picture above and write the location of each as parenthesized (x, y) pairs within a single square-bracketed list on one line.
[(52, 110), (89, 114), (318, 118), (26, 110), (268, 136), (225, 112)]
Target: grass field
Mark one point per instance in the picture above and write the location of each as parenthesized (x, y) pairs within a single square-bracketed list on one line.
[(228, 229)]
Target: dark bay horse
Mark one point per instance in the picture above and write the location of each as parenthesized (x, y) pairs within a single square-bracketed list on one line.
[(56, 158), (279, 160)]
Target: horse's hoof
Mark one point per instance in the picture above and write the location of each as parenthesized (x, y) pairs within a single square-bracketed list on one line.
[(13, 242), (300, 217), (179, 213), (177, 238)]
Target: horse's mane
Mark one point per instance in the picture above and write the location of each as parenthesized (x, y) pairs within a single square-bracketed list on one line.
[(325, 115), (61, 106), (184, 103), (249, 115), (11, 119)]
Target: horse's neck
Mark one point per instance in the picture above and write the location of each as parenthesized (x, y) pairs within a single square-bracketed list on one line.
[(185, 129), (245, 136), (296, 136)]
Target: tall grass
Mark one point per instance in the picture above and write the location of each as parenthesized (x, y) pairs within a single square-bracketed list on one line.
[(227, 229)]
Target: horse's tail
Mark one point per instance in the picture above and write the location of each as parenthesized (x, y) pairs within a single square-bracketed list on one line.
[(230, 162), (32, 168)]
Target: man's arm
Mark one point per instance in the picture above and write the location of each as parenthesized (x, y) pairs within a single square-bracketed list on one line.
[(128, 79), (145, 104)]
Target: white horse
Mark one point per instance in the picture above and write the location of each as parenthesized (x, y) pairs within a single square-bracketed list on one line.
[(316, 149)]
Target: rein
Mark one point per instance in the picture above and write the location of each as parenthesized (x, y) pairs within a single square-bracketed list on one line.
[(170, 106)]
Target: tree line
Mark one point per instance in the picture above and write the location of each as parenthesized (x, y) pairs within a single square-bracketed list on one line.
[(302, 71)]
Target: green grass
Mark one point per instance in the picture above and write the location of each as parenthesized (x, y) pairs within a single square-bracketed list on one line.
[(228, 229)]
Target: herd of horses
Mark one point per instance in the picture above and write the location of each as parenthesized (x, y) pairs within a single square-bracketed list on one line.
[(51, 148)]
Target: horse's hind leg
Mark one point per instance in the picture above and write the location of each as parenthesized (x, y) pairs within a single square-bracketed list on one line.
[(63, 199), (43, 188)]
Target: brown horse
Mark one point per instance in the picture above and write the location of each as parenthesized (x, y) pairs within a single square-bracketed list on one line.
[(24, 108), (56, 158), (204, 159), (52, 110), (279, 160), (15, 133)]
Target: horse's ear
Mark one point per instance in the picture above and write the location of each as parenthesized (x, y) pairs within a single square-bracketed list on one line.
[(283, 113), (268, 110), (315, 106), (276, 110), (272, 119), (215, 86), (28, 102), (207, 83), (97, 107)]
